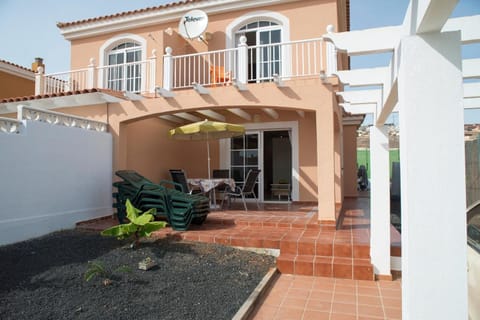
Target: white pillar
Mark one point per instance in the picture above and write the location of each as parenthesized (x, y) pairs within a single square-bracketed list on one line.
[(380, 201), (168, 69), (242, 71), (331, 52), (39, 81), (152, 71), (91, 78), (434, 271)]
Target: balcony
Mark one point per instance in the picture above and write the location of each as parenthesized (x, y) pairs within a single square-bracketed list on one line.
[(240, 66)]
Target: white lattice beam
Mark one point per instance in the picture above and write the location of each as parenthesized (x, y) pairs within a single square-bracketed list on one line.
[(187, 116), (240, 113), (212, 115), (424, 16), (471, 68), (469, 26)]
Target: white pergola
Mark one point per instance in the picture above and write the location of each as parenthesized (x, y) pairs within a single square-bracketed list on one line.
[(424, 83)]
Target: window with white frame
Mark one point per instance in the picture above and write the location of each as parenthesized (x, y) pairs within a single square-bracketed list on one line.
[(124, 72), (264, 57)]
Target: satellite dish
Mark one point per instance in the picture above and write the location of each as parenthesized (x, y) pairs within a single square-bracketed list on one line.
[(193, 24)]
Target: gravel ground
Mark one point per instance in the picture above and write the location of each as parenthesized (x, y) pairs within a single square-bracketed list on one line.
[(44, 279)]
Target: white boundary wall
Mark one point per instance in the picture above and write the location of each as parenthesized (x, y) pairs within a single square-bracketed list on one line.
[(52, 176)]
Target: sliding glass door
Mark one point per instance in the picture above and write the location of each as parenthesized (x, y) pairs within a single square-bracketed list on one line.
[(244, 155)]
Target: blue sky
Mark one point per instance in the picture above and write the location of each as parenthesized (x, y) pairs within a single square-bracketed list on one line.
[(29, 26)]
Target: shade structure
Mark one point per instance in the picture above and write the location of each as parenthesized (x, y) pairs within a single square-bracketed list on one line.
[(207, 130)]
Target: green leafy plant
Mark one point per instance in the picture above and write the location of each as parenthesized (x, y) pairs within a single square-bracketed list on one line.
[(98, 269), (140, 225)]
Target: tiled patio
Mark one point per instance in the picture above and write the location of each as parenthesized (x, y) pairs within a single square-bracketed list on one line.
[(325, 273), (319, 298)]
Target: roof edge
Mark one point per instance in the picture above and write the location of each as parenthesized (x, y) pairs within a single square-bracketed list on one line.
[(16, 70), (153, 15)]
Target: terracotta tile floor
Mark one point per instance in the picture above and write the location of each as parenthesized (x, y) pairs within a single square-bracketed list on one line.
[(317, 249), (304, 297)]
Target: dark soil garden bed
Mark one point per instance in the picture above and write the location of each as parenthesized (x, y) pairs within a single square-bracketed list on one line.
[(44, 279)]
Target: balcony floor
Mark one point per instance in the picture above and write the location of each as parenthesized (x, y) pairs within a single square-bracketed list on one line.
[(325, 273)]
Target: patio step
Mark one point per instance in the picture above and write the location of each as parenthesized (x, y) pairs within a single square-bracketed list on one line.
[(326, 257), (326, 266)]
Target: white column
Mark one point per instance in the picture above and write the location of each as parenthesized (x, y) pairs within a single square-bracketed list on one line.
[(168, 69), (242, 72), (152, 71), (434, 271), (39, 81), (380, 200), (331, 53), (91, 79)]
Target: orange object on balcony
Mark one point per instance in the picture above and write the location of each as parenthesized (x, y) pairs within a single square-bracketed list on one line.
[(219, 75)]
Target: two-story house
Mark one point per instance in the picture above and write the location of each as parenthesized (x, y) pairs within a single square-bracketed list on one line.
[(262, 64)]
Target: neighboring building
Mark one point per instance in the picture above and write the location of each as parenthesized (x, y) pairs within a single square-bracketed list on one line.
[(257, 63), (15, 80)]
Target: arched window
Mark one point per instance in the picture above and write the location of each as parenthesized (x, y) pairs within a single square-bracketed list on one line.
[(263, 30), (124, 72), (265, 59)]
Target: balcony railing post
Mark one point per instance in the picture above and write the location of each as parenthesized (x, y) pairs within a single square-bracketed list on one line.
[(152, 71), (91, 79), (242, 72), (168, 69), (39, 81), (331, 54)]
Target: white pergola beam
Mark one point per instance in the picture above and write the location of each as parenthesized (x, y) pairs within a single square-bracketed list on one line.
[(361, 96), (187, 116), (212, 114), (240, 113), (471, 90), (471, 103), (272, 113), (376, 40), (360, 108), (171, 118), (428, 15), (469, 26), (363, 77), (353, 120), (389, 105), (471, 68)]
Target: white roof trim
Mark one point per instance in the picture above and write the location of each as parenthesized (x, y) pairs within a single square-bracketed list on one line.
[(77, 100), (155, 17)]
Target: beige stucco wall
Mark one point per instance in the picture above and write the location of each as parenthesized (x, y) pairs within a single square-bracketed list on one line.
[(307, 19), (151, 153), (15, 86), (141, 143)]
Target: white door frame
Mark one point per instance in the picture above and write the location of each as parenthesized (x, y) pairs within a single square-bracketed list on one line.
[(292, 126)]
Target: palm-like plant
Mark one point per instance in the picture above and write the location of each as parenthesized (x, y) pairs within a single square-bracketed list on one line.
[(140, 225)]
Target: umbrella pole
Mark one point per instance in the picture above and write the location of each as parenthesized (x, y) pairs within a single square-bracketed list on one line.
[(208, 156)]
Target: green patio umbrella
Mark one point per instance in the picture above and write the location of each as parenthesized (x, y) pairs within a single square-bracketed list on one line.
[(207, 130)]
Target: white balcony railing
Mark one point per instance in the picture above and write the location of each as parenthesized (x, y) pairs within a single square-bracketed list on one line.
[(138, 77), (249, 64), (241, 65)]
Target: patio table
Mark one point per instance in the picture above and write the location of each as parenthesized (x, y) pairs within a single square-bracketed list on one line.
[(209, 185)]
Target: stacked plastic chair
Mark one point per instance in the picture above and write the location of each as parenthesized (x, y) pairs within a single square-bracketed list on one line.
[(177, 208)]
